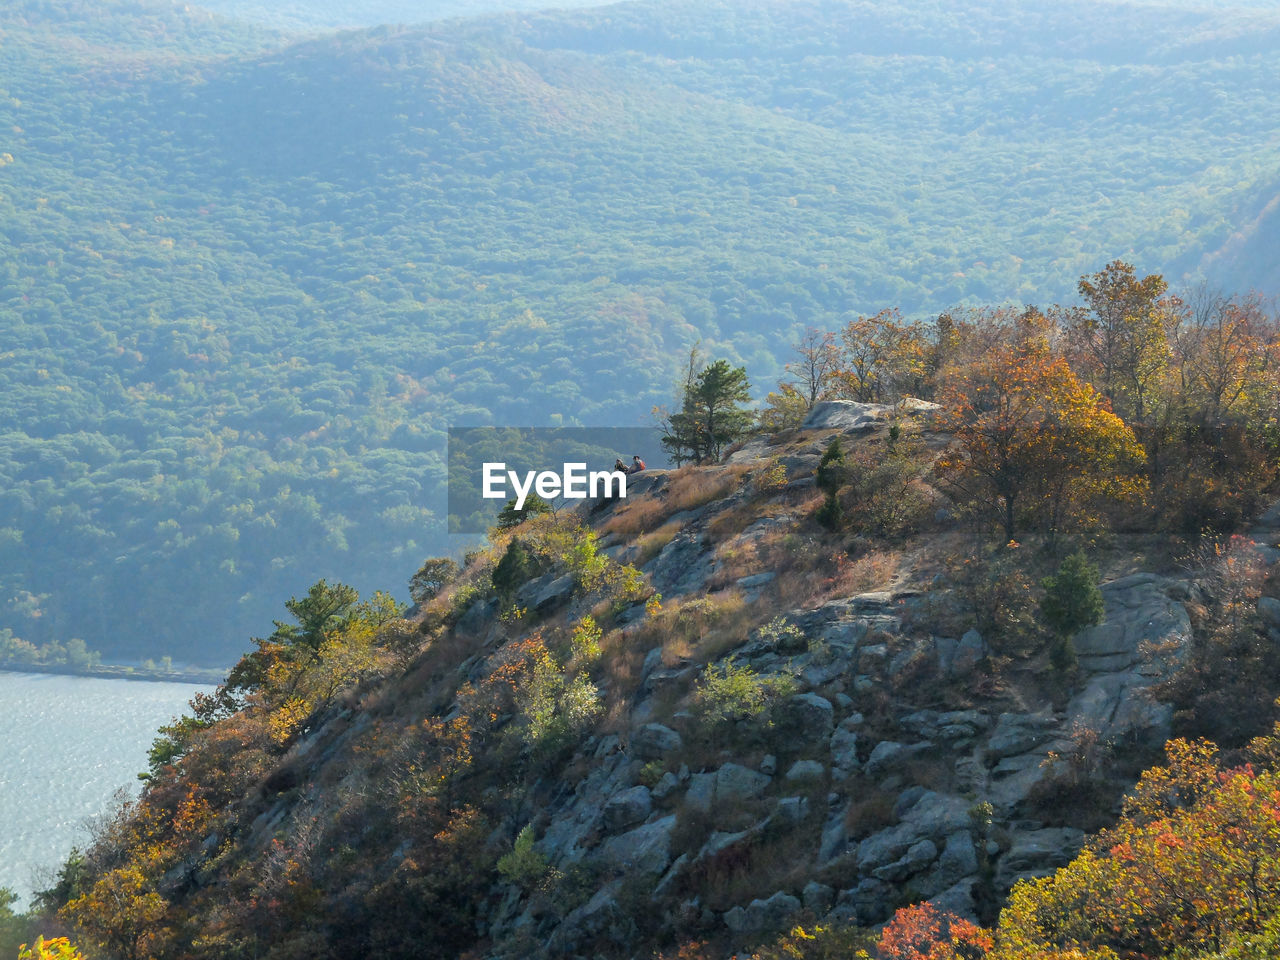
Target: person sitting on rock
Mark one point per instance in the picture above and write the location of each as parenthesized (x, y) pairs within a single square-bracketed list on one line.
[(636, 464), (619, 466)]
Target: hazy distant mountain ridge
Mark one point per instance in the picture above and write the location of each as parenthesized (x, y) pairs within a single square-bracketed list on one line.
[(77, 31), (322, 15), (248, 284)]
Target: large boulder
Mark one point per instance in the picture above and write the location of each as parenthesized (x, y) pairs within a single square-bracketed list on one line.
[(1269, 611), (736, 782), (601, 917), (792, 811), (805, 718), (834, 842), (870, 902), (958, 859), (643, 851), (649, 481), (625, 809), (818, 897), (918, 856), (1017, 733), (810, 770), (653, 741), (851, 416), (682, 566), (844, 747), (965, 654), (889, 755), (546, 593), (732, 783), (960, 899), (1139, 610), (761, 916), (847, 415), (1117, 705), (477, 617), (938, 815), (1038, 853)]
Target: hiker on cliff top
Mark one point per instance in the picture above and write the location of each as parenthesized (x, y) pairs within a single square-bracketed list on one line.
[(636, 464), (619, 466)]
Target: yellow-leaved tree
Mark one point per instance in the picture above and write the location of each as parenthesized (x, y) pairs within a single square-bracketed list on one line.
[(1192, 868), (1032, 439)]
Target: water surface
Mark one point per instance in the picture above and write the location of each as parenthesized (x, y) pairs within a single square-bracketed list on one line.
[(67, 744)]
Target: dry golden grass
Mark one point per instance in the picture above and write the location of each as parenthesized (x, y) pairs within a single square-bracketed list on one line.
[(691, 487), (806, 502), (729, 523), (621, 659), (735, 562), (645, 512), (703, 628), (617, 716), (688, 629), (836, 575), (650, 544), (780, 549), (686, 489)]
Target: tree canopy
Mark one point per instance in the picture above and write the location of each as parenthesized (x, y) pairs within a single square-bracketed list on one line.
[(711, 415), (249, 281)]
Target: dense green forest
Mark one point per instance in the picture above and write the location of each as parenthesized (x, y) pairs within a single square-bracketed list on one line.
[(248, 281)]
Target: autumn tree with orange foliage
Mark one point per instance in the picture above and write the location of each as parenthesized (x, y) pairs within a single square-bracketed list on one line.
[(881, 358), (1192, 868), (922, 932), (1121, 339), (1033, 439)]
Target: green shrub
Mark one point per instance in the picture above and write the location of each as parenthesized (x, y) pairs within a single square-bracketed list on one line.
[(431, 578), (1072, 600), (462, 599), (728, 692), (651, 773), (534, 506), (517, 566), (555, 708), (831, 475), (771, 477), (524, 866), (830, 514), (820, 943), (584, 641), (783, 636)]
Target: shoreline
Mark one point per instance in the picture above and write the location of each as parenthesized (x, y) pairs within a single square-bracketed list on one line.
[(110, 671)]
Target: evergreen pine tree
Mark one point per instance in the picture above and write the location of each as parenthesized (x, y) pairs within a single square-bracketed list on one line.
[(517, 566), (1072, 601), (509, 516), (711, 417)]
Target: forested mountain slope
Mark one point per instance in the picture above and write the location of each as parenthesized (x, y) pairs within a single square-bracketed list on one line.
[(247, 281), (682, 724)]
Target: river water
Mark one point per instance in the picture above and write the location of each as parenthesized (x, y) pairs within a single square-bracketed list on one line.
[(67, 744)]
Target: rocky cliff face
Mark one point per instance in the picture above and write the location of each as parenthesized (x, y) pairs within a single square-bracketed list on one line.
[(788, 734), (873, 806)]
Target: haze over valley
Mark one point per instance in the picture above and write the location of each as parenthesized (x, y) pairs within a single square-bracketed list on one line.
[(250, 279)]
